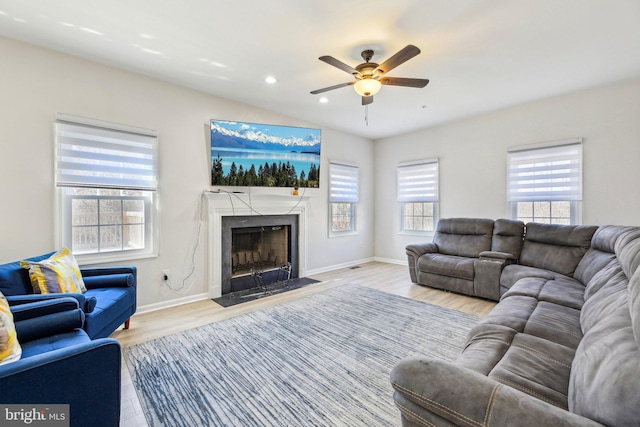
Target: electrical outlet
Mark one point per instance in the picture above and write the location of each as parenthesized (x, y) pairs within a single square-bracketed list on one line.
[(165, 275)]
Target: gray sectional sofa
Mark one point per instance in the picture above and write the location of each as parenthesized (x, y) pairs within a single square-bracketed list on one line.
[(560, 348)]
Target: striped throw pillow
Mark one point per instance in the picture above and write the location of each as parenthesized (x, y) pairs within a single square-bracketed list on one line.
[(10, 349), (58, 273)]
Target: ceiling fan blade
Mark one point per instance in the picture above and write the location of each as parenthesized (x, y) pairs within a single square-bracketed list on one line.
[(401, 57), (338, 64), (366, 100), (401, 81), (327, 89)]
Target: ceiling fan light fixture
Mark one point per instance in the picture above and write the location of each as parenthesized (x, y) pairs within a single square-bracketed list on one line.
[(367, 87)]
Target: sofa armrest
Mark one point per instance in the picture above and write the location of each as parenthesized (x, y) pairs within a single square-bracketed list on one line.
[(417, 250), (85, 376), (49, 325), (434, 392), (101, 271), (497, 256), (120, 280), (41, 308), (87, 304), (413, 253)]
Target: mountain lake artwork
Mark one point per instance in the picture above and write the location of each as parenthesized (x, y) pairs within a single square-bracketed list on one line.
[(259, 155)]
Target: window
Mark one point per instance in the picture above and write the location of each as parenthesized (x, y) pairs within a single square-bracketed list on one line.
[(544, 182), (106, 179), (418, 195), (343, 197)]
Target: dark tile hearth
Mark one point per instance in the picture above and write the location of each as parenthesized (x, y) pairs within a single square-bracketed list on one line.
[(246, 295)]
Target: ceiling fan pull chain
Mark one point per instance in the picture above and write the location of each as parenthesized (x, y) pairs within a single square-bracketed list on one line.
[(366, 114)]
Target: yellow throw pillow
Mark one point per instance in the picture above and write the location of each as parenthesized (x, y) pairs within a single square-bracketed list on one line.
[(58, 273), (10, 349)]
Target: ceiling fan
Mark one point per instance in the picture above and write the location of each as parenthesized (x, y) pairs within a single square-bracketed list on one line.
[(370, 76)]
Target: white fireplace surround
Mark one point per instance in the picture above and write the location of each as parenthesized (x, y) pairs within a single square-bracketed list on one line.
[(220, 204)]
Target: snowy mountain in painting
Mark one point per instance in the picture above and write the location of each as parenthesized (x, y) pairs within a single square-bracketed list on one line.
[(264, 137)]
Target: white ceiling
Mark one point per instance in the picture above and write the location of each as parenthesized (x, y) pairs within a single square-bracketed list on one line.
[(480, 55)]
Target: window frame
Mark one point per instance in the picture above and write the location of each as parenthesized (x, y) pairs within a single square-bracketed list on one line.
[(413, 188), (414, 231), (66, 187), (352, 220), (344, 188), (574, 212), (570, 152)]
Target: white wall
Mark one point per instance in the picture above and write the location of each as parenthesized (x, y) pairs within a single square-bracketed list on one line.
[(472, 157), (37, 83)]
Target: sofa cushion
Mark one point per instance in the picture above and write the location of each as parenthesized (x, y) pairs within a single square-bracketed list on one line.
[(463, 236), (447, 265), (555, 323), (511, 274), (602, 252), (111, 304), (486, 344), (10, 349), (537, 367), (14, 280), (593, 268), (525, 314), (560, 290), (508, 237), (54, 342), (605, 371), (557, 248), (58, 273)]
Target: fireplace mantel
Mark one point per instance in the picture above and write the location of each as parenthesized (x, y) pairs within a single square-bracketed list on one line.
[(221, 204)]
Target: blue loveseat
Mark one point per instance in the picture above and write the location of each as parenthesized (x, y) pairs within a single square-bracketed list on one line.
[(60, 364), (110, 299)]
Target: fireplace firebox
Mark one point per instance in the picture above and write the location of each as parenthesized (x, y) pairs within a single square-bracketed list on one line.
[(256, 249)]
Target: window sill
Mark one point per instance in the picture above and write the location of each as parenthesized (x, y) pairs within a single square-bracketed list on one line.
[(342, 233), (104, 258), (416, 233)]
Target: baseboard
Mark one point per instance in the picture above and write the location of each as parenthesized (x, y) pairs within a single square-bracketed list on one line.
[(172, 303), (392, 261), (199, 297), (338, 266)]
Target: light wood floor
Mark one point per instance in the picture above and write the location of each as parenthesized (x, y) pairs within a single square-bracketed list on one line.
[(385, 277)]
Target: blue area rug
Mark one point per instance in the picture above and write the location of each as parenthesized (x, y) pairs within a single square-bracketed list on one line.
[(322, 360)]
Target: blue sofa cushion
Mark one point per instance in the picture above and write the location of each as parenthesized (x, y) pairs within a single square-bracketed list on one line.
[(14, 280), (54, 342), (114, 305)]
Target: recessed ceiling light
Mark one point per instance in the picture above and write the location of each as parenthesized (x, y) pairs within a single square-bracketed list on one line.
[(323, 100), (270, 80)]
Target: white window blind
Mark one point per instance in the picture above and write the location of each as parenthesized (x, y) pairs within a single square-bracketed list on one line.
[(343, 183), (95, 154), (418, 181), (547, 173)]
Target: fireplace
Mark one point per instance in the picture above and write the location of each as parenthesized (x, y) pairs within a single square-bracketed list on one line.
[(245, 207), (258, 249)]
